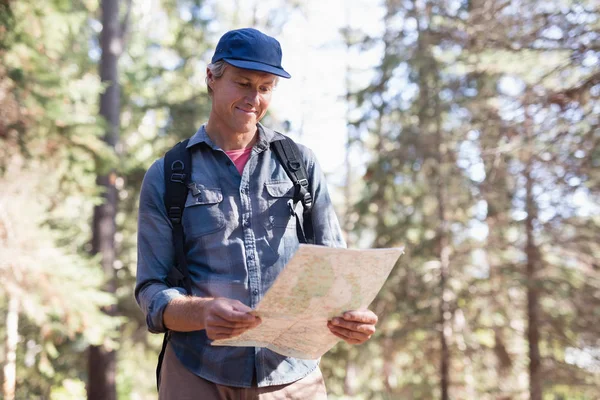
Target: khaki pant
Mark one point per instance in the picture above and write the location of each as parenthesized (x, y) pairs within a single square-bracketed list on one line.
[(177, 383)]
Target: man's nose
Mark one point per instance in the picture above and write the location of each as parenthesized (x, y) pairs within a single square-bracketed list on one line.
[(253, 96)]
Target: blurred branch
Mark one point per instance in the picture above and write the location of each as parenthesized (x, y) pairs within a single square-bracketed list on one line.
[(563, 97), (125, 24)]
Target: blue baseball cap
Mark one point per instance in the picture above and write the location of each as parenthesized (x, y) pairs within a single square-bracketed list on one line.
[(249, 48)]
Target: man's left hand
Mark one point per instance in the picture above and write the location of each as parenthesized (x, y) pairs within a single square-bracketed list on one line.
[(355, 327)]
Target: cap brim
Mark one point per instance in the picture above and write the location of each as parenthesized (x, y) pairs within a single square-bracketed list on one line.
[(256, 66)]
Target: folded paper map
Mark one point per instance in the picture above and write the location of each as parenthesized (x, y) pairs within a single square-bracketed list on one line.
[(318, 283)]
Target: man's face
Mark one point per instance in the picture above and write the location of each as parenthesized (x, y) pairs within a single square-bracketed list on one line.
[(240, 98)]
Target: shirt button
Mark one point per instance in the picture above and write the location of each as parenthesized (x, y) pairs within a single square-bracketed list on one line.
[(255, 291), (246, 223), (250, 256)]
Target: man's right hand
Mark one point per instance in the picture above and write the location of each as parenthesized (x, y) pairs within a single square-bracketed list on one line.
[(226, 318)]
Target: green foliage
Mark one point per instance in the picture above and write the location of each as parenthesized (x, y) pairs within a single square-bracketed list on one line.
[(448, 109), (58, 290), (51, 151)]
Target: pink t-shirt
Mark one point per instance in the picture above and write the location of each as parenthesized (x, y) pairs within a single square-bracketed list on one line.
[(240, 157)]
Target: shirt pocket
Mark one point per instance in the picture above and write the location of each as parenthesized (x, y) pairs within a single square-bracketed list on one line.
[(203, 212), (280, 201)]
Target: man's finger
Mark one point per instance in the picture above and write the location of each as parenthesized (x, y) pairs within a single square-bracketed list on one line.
[(349, 334), (220, 335), (226, 332), (234, 315), (215, 320), (220, 332), (364, 316), (368, 329), (230, 309), (241, 307)]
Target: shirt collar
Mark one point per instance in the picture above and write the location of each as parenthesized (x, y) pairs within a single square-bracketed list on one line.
[(265, 137)]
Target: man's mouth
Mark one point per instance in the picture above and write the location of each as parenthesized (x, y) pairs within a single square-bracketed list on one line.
[(247, 111)]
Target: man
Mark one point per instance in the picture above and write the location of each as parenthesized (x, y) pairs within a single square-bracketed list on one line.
[(240, 233)]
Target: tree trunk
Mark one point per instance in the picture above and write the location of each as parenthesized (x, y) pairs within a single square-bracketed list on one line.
[(533, 334), (348, 205), (430, 109), (533, 262), (12, 338), (102, 361), (444, 257)]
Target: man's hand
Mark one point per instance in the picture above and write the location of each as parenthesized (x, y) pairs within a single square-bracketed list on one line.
[(226, 318), (355, 327)]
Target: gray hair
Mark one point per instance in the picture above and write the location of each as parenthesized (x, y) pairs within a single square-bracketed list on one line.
[(218, 69)]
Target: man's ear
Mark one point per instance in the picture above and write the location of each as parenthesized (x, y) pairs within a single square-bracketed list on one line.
[(209, 77)]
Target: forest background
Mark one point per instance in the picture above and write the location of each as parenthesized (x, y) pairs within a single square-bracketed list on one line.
[(467, 130)]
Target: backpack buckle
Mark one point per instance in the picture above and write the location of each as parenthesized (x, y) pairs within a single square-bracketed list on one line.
[(303, 183), (175, 214), (307, 201), (294, 165), (175, 177), (305, 196)]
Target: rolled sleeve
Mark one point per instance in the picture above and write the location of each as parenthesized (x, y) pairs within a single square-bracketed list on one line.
[(157, 297), (156, 254)]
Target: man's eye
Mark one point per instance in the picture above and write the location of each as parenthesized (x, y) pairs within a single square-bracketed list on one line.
[(265, 89), (244, 84)]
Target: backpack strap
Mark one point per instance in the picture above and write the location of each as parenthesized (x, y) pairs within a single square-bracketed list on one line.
[(178, 167), (178, 172), (289, 155)]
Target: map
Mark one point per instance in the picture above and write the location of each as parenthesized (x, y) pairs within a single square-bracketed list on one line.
[(318, 283)]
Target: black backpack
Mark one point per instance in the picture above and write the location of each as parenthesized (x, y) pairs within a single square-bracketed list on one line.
[(178, 172)]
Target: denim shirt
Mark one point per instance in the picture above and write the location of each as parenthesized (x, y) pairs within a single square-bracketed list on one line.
[(239, 235)]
